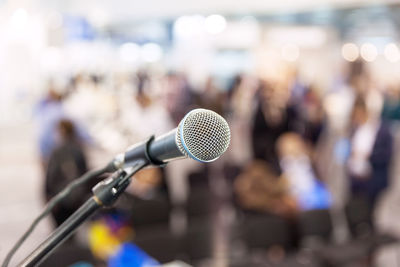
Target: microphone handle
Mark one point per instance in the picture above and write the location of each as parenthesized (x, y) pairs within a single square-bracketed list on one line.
[(164, 148), (158, 151)]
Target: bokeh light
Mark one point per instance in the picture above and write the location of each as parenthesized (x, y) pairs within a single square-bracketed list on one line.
[(215, 24), (129, 52), (392, 53), (350, 52), (151, 52), (188, 26), (368, 52)]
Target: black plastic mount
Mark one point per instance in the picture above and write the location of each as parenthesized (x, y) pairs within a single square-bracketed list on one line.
[(107, 191), (147, 153), (140, 152)]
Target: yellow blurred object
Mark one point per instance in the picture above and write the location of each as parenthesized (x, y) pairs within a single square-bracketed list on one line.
[(102, 241)]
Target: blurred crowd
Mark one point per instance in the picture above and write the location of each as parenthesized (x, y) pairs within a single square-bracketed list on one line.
[(305, 169)]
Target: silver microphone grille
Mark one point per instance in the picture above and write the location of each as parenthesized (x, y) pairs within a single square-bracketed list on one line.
[(203, 135)]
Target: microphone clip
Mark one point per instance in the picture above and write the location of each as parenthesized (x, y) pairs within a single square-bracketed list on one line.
[(138, 152)]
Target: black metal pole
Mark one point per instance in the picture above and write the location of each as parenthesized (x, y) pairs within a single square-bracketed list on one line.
[(64, 231)]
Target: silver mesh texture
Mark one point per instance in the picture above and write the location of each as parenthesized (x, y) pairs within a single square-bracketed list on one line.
[(205, 134)]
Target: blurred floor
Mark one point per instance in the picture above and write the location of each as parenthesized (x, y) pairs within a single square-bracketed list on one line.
[(20, 191)]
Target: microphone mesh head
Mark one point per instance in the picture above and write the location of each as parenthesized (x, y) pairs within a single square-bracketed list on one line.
[(203, 135)]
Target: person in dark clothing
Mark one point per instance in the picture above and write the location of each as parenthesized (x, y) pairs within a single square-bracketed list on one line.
[(211, 97), (273, 117), (380, 159), (178, 96), (371, 154), (67, 162), (312, 115), (368, 166)]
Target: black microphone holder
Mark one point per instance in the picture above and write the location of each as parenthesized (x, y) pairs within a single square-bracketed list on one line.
[(105, 194)]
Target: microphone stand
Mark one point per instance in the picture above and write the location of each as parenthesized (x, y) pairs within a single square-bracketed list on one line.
[(105, 193)]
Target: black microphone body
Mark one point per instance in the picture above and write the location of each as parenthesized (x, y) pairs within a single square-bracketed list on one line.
[(156, 151), (164, 148)]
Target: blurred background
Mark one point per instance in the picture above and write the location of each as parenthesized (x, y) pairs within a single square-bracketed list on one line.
[(310, 89)]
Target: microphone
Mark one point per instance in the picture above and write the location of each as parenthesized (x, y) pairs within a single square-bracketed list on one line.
[(202, 135)]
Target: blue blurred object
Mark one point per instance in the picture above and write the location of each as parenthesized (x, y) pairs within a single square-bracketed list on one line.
[(318, 198), (48, 113), (131, 255), (78, 29), (342, 150)]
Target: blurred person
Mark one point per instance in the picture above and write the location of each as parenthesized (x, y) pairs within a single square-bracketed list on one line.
[(239, 114), (334, 147), (296, 87), (297, 167), (93, 107), (178, 99), (312, 115), (48, 112), (357, 78), (124, 85), (371, 150), (67, 162), (334, 144), (260, 193), (370, 157), (90, 102), (306, 103), (142, 80), (258, 188), (146, 184), (178, 96), (143, 115), (353, 84), (210, 97), (273, 117)]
